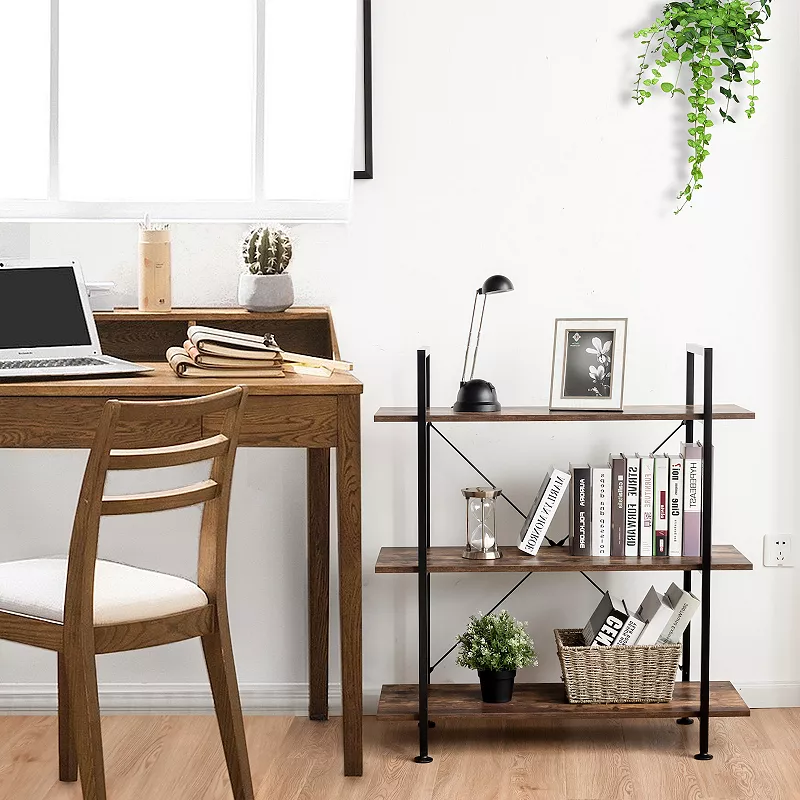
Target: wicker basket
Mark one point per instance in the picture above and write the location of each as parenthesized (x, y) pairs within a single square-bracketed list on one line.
[(616, 674)]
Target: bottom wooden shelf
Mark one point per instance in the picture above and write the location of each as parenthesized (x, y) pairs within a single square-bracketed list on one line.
[(399, 701)]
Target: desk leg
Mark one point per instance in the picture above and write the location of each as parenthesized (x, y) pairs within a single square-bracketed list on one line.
[(348, 481), (319, 538)]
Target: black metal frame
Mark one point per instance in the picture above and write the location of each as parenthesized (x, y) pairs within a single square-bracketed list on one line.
[(366, 174), (424, 541)]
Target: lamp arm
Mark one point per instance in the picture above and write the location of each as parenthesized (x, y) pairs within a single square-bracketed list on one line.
[(478, 337), (469, 337)]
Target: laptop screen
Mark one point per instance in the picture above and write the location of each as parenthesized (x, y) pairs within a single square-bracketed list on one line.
[(41, 307)]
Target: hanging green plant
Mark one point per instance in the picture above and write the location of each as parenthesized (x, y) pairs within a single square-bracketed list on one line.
[(688, 37)]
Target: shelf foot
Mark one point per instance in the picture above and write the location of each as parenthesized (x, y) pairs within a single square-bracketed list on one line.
[(704, 757), (428, 759), (685, 721), (431, 724)]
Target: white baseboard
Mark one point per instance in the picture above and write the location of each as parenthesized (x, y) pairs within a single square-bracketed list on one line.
[(267, 698), (170, 698), (770, 695)]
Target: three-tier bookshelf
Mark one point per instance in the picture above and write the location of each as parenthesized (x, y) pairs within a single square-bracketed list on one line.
[(423, 700)]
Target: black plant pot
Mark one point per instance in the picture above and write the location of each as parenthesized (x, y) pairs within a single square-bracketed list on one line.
[(497, 687)]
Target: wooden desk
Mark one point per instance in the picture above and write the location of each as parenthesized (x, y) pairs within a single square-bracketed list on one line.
[(313, 413)]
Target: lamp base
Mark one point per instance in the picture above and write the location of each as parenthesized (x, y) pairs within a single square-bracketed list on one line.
[(480, 555), (476, 396)]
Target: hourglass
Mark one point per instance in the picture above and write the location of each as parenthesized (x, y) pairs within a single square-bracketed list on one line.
[(481, 534)]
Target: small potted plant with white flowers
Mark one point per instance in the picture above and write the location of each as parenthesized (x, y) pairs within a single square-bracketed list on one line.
[(496, 645)]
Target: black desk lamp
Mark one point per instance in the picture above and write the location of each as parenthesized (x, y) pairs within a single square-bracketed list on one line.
[(476, 395)]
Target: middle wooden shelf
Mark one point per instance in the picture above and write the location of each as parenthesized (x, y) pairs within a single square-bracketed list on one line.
[(392, 560)]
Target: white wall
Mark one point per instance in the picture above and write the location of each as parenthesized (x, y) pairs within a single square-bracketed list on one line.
[(505, 142)]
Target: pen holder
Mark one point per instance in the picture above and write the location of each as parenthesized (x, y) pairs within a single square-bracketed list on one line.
[(155, 270)]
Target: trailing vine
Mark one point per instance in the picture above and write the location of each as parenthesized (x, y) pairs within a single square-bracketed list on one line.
[(693, 33)]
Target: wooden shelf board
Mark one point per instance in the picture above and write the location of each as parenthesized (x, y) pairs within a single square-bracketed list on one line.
[(399, 702), (215, 313), (542, 414), (551, 559)]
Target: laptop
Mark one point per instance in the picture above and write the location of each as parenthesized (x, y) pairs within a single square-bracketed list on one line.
[(46, 325)]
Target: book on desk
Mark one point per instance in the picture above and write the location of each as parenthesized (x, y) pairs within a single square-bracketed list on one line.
[(218, 352)]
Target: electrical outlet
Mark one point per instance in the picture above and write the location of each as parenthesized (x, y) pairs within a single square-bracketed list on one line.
[(778, 550)]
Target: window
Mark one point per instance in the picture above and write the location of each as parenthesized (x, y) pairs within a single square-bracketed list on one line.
[(186, 109)]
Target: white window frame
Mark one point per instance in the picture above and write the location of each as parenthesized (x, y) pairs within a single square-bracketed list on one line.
[(258, 209)]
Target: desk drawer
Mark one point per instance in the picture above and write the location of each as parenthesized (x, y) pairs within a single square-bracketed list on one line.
[(284, 421), (72, 422)]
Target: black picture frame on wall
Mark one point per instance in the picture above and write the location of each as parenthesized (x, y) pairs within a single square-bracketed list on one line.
[(366, 174)]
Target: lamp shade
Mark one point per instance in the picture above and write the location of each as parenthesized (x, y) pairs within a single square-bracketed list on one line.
[(496, 284)]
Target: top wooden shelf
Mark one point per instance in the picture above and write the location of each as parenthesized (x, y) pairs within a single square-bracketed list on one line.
[(219, 314), (543, 414), (145, 336)]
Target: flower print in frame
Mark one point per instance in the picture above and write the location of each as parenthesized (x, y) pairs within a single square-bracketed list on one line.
[(588, 364)]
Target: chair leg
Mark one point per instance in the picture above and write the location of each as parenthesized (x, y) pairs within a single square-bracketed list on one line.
[(82, 678), (222, 675), (67, 756)]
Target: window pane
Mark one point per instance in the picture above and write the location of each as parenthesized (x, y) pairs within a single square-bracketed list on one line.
[(156, 100), (309, 99), (24, 99)]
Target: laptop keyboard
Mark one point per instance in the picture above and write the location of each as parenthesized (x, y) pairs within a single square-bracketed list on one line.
[(50, 363)]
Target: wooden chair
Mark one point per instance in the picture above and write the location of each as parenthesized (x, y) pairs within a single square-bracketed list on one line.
[(82, 606)]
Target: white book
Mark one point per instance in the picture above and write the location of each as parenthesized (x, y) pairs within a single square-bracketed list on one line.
[(601, 511), (675, 506), (631, 505), (646, 495), (630, 633), (661, 507), (692, 498), (684, 605), (656, 612), (551, 493)]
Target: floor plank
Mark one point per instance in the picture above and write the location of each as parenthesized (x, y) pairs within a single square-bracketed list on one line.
[(180, 758)]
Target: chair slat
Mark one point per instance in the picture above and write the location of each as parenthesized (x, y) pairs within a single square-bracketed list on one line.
[(172, 456), (157, 410), (161, 501)]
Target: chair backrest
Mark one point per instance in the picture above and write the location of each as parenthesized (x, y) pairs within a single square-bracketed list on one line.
[(214, 492)]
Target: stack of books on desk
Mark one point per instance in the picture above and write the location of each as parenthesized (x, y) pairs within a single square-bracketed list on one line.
[(216, 353)]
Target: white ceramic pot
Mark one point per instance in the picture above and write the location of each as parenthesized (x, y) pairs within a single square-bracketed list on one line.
[(266, 292)]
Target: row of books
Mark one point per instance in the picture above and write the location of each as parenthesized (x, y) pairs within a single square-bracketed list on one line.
[(217, 353), (660, 619), (632, 506)]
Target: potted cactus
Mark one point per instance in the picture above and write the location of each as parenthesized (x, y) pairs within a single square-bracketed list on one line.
[(265, 285)]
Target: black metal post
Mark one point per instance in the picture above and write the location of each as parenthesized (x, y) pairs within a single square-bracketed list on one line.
[(423, 535), (686, 657), (706, 536)]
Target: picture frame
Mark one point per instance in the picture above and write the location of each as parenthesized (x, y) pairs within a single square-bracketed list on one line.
[(364, 145), (588, 364)]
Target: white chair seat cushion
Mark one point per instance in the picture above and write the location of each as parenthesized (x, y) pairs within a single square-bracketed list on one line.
[(36, 587)]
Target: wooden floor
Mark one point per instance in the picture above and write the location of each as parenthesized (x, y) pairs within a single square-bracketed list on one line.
[(179, 758)]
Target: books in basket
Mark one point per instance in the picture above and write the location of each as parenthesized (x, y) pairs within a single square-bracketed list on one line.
[(606, 623), (551, 493), (666, 615)]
